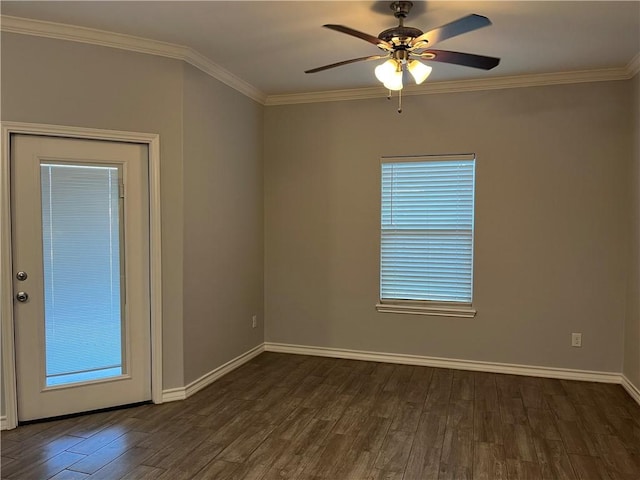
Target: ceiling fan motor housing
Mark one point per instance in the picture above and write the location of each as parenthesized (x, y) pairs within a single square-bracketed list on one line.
[(401, 33)]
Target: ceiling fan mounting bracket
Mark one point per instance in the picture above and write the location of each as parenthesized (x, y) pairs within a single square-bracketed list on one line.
[(401, 9)]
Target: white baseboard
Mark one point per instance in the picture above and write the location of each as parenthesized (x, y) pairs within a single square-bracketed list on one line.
[(630, 388), (3, 422), (493, 367), (207, 379)]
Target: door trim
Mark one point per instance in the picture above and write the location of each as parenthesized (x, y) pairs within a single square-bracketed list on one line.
[(152, 141)]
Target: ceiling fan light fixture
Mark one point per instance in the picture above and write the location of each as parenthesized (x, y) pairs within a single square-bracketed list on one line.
[(385, 71), (394, 82), (419, 71)]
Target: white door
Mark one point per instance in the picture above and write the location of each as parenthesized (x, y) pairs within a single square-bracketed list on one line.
[(80, 226)]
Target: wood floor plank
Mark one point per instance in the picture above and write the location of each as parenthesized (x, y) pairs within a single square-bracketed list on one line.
[(553, 460), (262, 458), (69, 475), (183, 464), (371, 436), (243, 446), (462, 387), (521, 470), (399, 379), (364, 450), (123, 464), (144, 472), (42, 449), (588, 468), (218, 470), (439, 390), (626, 430), (532, 395), (295, 417), (543, 423), (578, 392), (385, 404), (378, 474), (594, 419), (552, 386), (456, 460), (395, 451), (406, 417), (486, 394), (518, 443), (424, 459), (489, 462), (562, 407), (328, 462), (335, 407), (418, 386), (487, 427), (98, 459), (46, 469), (508, 386), (576, 438), (382, 372), (172, 454), (512, 410), (358, 465), (313, 438), (616, 456), (102, 438)]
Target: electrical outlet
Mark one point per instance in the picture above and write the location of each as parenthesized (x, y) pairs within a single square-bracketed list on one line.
[(254, 321), (576, 339)]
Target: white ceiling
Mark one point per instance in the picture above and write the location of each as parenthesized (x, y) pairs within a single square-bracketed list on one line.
[(269, 44)]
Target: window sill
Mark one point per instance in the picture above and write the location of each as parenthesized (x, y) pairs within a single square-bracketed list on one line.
[(461, 311)]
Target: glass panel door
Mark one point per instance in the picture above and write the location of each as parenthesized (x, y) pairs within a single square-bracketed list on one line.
[(83, 272)]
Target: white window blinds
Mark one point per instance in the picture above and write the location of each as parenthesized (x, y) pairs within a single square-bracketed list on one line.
[(427, 228)]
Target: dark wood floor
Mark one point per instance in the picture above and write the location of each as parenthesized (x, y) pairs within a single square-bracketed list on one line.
[(296, 417)]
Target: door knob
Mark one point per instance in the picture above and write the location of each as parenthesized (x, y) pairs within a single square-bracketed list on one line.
[(22, 297)]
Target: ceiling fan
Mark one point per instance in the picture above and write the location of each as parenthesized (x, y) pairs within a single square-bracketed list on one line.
[(405, 46)]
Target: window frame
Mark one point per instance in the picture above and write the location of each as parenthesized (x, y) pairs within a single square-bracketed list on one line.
[(427, 307)]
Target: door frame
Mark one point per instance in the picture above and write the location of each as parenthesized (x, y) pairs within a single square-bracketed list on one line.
[(152, 141)]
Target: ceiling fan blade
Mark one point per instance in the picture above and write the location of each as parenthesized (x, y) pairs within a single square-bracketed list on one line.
[(364, 36), (346, 62), (457, 27), (459, 58)]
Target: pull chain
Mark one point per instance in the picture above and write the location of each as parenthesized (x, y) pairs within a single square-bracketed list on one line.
[(399, 101)]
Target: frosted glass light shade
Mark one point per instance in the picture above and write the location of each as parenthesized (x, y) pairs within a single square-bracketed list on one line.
[(385, 70), (395, 81), (419, 71)]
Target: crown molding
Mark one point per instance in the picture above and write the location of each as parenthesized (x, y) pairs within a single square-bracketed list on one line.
[(73, 33), (59, 31), (496, 83)]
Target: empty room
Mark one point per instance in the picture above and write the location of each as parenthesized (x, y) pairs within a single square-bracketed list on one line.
[(320, 240)]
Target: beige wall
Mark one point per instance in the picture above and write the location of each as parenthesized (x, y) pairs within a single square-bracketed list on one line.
[(551, 223), (632, 325), (223, 223), (211, 180), (67, 83)]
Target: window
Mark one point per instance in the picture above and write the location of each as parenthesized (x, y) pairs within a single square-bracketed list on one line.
[(426, 241)]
